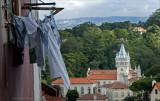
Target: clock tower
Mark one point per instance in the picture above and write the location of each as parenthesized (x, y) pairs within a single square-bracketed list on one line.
[(122, 64)]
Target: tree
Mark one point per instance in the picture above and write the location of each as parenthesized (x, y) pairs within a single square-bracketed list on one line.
[(130, 98), (157, 77), (72, 95), (142, 85), (153, 70), (153, 19), (120, 33)]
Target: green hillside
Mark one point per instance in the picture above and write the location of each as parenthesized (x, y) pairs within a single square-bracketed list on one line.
[(88, 45)]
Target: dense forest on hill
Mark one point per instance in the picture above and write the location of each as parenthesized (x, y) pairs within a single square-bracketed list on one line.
[(88, 45)]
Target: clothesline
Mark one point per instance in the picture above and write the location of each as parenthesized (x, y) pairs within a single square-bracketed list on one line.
[(44, 8)]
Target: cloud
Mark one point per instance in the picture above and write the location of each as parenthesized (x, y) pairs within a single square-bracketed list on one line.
[(103, 8)]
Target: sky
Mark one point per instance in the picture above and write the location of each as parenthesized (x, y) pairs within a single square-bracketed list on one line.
[(102, 8)]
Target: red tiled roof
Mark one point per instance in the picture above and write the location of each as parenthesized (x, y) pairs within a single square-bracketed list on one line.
[(140, 29), (132, 72), (91, 97), (76, 81), (102, 77), (158, 85), (108, 72), (52, 98), (116, 85), (134, 79)]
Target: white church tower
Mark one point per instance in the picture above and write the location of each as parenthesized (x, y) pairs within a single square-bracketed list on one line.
[(123, 65)]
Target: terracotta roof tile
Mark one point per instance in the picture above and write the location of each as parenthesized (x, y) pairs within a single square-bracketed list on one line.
[(158, 85), (134, 79), (111, 72), (91, 97), (139, 29), (52, 98), (132, 72), (102, 77), (116, 85), (76, 81)]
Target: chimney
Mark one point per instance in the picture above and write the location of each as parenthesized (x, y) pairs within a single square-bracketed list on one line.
[(95, 97), (88, 71), (153, 82)]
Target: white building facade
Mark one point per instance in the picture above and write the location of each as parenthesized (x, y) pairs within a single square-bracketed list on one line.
[(155, 92), (116, 91), (81, 85)]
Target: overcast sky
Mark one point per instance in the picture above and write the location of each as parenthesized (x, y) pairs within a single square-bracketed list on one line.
[(103, 8)]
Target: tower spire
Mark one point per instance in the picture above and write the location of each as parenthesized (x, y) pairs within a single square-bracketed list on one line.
[(122, 53)]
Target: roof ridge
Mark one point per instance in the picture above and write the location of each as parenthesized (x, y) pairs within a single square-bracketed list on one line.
[(89, 80), (114, 84)]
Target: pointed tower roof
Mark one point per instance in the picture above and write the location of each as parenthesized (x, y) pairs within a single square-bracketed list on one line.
[(122, 53), (122, 50), (135, 68)]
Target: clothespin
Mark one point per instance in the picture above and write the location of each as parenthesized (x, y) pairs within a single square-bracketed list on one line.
[(30, 8)]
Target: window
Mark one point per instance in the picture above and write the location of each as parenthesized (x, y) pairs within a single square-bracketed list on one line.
[(99, 90), (103, 92), (75, 88), (62, 90), (128, 93), (104, 83), (11, 6), (109, 82), (156, 91), (116, 94), (126, 63), (121, 63), (99, 84), (122, 94), (82, 90), (117, 63), (89, 90)]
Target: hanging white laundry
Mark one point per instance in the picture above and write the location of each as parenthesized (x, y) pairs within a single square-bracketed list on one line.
[(56, 63)]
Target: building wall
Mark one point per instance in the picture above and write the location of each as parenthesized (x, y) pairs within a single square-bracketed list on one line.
[(37, 83), (110, 93), (85, 86), (102, 83), (106, 81), (17, 81), (153, 95), (1, 60)]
